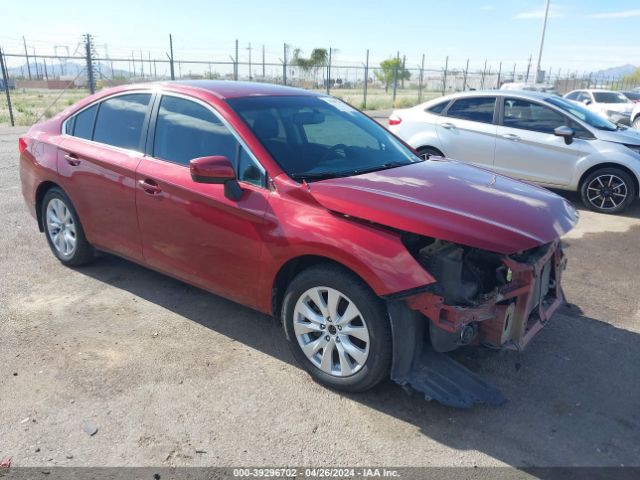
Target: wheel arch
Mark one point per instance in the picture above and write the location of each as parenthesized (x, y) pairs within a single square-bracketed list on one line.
[(599, 166), (293, 267), (41, 191)]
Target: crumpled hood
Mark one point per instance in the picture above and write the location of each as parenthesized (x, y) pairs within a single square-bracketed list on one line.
[(452, 201)]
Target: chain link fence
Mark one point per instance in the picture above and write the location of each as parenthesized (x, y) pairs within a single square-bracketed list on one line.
[(39, 86)]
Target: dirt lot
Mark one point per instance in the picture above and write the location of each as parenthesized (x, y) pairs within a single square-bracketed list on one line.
[(171, 375)]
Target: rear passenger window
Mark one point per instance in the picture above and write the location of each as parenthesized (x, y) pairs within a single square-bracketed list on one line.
[(120, 120), (82, 124), (478, 109), (573, 95), (186, 130), (438, 107)]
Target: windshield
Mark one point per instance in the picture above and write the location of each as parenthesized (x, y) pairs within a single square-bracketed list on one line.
[(610, 97), (313, 138), (582, 113)]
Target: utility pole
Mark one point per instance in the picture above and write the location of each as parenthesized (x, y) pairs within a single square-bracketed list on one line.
[(544, 29), (249, 48), (366, 80), (26, 54), (173, 73), (90, 80)]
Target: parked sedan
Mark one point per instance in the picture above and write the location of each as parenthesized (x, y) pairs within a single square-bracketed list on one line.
[(612, 105), (299, 206), (531, 136), (635, 116)]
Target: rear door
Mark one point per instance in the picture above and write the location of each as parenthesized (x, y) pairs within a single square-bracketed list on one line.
[(467, 131), (97, 164), (192, 230), (527, 149)]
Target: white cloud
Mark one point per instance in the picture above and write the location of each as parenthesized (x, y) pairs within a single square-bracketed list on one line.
[(622, 14), (554, 12)]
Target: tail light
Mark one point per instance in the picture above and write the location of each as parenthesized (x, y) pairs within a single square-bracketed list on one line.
[(22, 144), (394, 119)]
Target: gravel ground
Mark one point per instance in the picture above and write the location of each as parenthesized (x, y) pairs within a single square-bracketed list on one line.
[(171, 375)]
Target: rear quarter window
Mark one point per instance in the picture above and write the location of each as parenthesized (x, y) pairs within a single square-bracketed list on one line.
[(81, 125)]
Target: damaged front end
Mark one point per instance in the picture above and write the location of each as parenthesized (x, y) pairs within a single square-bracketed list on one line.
[(480, 298)]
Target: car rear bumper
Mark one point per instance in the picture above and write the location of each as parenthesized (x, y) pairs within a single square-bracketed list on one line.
[(508, 318)]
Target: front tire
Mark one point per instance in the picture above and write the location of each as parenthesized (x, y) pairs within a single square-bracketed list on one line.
[(608, 190), (337, 328), (636, 123), (63, 229)]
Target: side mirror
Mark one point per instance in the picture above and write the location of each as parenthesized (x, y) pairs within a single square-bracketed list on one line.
[(565, 132), (586, 101), (216, 170)]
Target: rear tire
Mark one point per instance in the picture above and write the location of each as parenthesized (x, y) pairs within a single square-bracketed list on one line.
[(337, 328), (608, 190), (636, 123), (426, 152), (63, 229)]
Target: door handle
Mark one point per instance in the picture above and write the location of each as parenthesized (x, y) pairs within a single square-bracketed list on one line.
[(511, 136), (72, 159), (447, 125), (149, 186)]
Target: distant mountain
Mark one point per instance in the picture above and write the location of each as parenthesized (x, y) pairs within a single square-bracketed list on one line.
[(68, 70), (614, 72)]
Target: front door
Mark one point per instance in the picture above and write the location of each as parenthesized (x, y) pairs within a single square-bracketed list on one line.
[(191, 230)]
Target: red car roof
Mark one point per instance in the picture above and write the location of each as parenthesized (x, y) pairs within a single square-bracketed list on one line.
[(232, 89)]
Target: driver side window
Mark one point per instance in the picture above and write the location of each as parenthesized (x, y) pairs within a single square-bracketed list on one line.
[(531, 116), (186, 130)]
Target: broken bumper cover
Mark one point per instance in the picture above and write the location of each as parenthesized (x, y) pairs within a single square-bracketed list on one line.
[(515, 313), (508, 318)]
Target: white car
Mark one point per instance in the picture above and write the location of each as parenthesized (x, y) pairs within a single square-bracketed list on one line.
[(532, 136), (613, 106)]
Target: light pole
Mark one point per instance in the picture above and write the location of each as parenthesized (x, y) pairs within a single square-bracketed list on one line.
[(544, 29)]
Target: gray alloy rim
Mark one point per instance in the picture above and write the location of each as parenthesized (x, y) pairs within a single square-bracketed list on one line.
[(607, 191), (61, 227), (331, 331), (636, 123)]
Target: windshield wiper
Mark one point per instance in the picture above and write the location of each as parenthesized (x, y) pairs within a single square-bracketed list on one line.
[(346, 173)]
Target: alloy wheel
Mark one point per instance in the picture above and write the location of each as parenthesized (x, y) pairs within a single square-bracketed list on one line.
[(607, 191), (61, 227), (331, 331)]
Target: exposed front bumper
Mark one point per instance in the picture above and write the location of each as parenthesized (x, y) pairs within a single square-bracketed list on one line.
[(508, 318)]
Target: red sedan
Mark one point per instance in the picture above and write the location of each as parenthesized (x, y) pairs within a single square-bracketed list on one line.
[(300, 206)]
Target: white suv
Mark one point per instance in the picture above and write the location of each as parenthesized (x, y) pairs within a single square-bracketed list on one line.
[(613, 106), (531, 136)]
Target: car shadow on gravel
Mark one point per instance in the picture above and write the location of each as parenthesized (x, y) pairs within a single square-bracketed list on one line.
[(572, 395)]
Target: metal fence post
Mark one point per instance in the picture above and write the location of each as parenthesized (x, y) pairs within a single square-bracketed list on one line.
[(444, 78), (26, 54), (235, 63), (5, 79), (464, 79), (421, 80), (284, 65), (90, 79), (499, 74), (404, 60), (171, 67), (329, 73), (366, 80), (395, 76)]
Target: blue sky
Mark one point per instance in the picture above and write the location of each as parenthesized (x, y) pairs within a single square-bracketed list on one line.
[(581, 35)]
